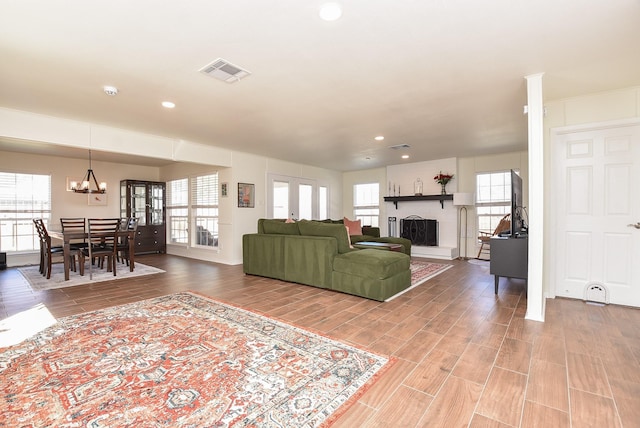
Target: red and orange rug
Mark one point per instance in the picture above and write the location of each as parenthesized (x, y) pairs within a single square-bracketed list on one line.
[(181, 360)]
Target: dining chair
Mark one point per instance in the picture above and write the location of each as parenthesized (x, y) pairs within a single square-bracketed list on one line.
[(127, 224), (76, 224), (48, 251), (102, 243)]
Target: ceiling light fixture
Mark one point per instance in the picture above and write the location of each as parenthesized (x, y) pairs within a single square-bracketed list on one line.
[(168, 104), (379, 138), (405, 156), (112, 91), (330, 11), (90, 177)]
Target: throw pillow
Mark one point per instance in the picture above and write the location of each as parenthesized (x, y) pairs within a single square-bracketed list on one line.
[(349, 236), (355, 227), (289, 220)]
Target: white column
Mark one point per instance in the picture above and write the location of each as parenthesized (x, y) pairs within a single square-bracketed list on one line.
[(535, 297)]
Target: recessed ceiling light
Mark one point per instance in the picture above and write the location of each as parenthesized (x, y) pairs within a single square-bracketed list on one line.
[(405, 156), (168, 104), (330, 11), (112, 91), (379, 138)]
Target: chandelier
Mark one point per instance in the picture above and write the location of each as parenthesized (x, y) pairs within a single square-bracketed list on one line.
[(87, 182)]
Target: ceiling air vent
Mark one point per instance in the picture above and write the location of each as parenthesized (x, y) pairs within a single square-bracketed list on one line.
[(400, 146), (223, 70)]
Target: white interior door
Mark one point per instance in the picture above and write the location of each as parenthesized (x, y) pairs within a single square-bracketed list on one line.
[(596, 180)]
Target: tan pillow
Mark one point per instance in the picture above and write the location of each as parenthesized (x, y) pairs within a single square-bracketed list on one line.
[(355, 228), (349, 236)]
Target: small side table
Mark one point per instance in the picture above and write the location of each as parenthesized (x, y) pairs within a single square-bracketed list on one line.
[(378, 245)]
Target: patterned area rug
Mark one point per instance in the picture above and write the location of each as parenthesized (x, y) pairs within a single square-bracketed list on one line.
[(39, 282), (181, 361), (420, 273)]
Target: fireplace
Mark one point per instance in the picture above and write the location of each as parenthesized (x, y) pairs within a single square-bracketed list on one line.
[(420, 231)]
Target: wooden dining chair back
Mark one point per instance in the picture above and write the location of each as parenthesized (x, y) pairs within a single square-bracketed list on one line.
[(48, 251), (485, 238), (76, 224), (127, 224), (102, 243)]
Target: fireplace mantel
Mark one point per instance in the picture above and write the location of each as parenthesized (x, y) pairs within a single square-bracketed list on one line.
[(396, 199)]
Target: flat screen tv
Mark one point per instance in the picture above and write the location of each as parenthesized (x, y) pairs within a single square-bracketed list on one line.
[(518, 225)]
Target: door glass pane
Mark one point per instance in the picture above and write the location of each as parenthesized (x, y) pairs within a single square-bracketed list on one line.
[(305, 201), (322, 203), (139, 203), (280, 199), (157, 196)]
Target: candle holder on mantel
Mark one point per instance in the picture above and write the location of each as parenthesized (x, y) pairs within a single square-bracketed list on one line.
[(417, 187)]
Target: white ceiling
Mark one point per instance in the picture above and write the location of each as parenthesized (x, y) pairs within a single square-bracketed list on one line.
[(444, 76)]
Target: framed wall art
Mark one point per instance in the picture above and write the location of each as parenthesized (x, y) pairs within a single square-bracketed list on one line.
[(246, 195), (99, 199), (224, 190)]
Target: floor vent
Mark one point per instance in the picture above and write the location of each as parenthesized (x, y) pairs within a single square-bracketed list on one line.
[(223, 70), (595, 293)]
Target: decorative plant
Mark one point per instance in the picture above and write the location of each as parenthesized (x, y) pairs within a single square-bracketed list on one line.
[(443, 179)]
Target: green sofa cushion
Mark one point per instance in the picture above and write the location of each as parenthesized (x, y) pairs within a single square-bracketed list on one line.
[(338, 231), (279, 227), (371, 263)]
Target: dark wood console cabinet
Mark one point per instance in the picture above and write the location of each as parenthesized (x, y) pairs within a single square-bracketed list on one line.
[(146, 200), (509, 257)]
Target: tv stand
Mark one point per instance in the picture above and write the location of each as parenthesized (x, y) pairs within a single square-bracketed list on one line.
[(509, 257)]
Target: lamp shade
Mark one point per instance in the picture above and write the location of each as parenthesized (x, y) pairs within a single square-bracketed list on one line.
[(463, 199)]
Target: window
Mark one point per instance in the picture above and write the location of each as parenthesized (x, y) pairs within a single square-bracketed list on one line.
[(493, 199), (178, 211), (323, 198), (23, 197), (194, 202), (204, 208), (366, 203)]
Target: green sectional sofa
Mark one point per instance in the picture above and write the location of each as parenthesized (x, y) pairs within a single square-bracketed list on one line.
[(320, 254)]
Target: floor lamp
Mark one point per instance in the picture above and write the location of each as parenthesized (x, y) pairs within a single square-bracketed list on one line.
[(463, 200)]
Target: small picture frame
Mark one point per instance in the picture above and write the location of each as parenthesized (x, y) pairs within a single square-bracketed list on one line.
[(224, 190), (246, 195), (97, 199)]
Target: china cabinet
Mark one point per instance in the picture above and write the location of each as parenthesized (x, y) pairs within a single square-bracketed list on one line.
[(146, 200)]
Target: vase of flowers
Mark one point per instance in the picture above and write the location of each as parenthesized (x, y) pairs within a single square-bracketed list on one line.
[(443, 179)]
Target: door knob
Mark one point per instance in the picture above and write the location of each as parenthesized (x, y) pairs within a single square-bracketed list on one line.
[(637, 225)]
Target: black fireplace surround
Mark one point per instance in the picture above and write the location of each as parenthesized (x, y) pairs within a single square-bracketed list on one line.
[(420, 231)]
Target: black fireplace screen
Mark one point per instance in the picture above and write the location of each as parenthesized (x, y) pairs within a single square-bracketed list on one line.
[(420, 231)]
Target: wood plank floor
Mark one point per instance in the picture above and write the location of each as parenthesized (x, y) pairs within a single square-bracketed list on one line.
[(466, 357)]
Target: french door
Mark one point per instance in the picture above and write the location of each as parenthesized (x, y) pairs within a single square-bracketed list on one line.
[(292, 197)]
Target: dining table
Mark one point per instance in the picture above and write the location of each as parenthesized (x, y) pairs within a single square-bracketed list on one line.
[(67, 236)]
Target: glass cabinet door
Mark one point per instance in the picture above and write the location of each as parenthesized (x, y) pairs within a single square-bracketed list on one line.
[(139, 202), (123, 199), (156, 194)]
